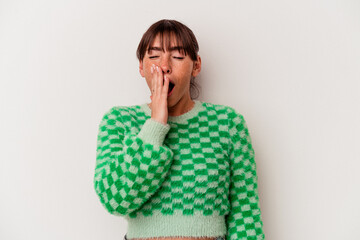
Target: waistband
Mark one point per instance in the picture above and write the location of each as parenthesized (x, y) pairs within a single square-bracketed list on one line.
[(175, 225), (217, 238)]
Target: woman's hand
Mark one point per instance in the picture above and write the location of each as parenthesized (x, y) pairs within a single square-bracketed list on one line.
[(159, 91)]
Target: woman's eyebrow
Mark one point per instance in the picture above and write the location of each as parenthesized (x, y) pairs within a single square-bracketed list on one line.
[(155, 49), (174, 48)]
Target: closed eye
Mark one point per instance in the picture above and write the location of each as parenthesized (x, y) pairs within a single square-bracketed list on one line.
[(178, 57), (151, 57)]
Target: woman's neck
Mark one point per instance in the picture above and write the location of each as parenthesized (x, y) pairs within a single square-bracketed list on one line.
[(179, 108)]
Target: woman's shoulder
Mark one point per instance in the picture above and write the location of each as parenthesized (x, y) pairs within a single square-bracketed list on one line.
[(125, 108), (221, 108), (122, 112)]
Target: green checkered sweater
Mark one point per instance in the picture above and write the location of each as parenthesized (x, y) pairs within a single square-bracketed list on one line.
[(195, 176)]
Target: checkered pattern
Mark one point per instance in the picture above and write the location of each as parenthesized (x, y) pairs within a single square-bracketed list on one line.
[(203, 167), (128, 170), (244, 220)]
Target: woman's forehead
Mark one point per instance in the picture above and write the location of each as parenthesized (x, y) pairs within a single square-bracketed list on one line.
[(167, 41)]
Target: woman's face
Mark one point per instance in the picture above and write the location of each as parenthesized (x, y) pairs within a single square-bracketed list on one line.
[(177, 67)]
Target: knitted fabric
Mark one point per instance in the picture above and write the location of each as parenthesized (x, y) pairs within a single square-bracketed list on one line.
[(194, 176)]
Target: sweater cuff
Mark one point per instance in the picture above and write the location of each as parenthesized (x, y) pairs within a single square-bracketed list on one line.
[(154, 132)]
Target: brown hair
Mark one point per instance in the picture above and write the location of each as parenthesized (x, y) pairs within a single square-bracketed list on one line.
[(184, 37)]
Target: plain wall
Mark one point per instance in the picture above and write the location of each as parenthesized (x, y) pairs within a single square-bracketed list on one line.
[(292, 68)]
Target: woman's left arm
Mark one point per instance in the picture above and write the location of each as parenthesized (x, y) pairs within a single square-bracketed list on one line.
[(244, 220)]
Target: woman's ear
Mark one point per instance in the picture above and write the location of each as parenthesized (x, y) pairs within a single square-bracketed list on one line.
[(196, 67), (141, 68)]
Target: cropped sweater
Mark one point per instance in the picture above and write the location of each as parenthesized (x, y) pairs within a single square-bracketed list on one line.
[(194, 176)]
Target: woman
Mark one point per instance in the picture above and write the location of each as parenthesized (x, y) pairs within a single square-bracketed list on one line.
[(177, 168)]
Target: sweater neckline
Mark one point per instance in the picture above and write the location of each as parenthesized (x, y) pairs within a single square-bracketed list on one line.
[(180, 118)]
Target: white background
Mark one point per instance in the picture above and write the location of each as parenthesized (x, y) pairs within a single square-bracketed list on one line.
[(292, 68)]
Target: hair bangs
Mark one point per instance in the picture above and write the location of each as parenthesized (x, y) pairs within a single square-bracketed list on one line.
[(169, 41)]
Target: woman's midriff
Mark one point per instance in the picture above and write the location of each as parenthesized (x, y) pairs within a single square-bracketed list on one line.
[(176, 238)]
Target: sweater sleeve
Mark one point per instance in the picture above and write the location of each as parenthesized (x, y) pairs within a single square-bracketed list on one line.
[(244, 220), (129, 167)]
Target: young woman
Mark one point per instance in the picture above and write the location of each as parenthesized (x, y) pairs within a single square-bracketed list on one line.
[(177, 168)]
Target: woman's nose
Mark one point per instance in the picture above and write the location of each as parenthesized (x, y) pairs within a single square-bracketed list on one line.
[(165, 65)]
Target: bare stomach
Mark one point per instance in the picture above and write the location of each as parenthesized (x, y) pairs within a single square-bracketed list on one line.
[(177, 238)]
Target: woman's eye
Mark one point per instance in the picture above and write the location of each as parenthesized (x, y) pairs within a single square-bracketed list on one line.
[(151, 57), (179, 57)]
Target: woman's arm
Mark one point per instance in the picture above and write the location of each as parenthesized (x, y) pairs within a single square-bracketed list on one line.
[(129, 168), (244, 220)]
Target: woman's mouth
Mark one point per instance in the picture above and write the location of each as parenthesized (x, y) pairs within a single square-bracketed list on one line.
[(171, 88)]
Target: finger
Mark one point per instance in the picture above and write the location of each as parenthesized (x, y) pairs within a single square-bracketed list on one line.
[(159, 80), (152, 78), (166, 86), (155, 82)]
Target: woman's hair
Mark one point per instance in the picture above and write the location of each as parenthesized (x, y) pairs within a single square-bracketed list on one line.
[(184, 37)]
